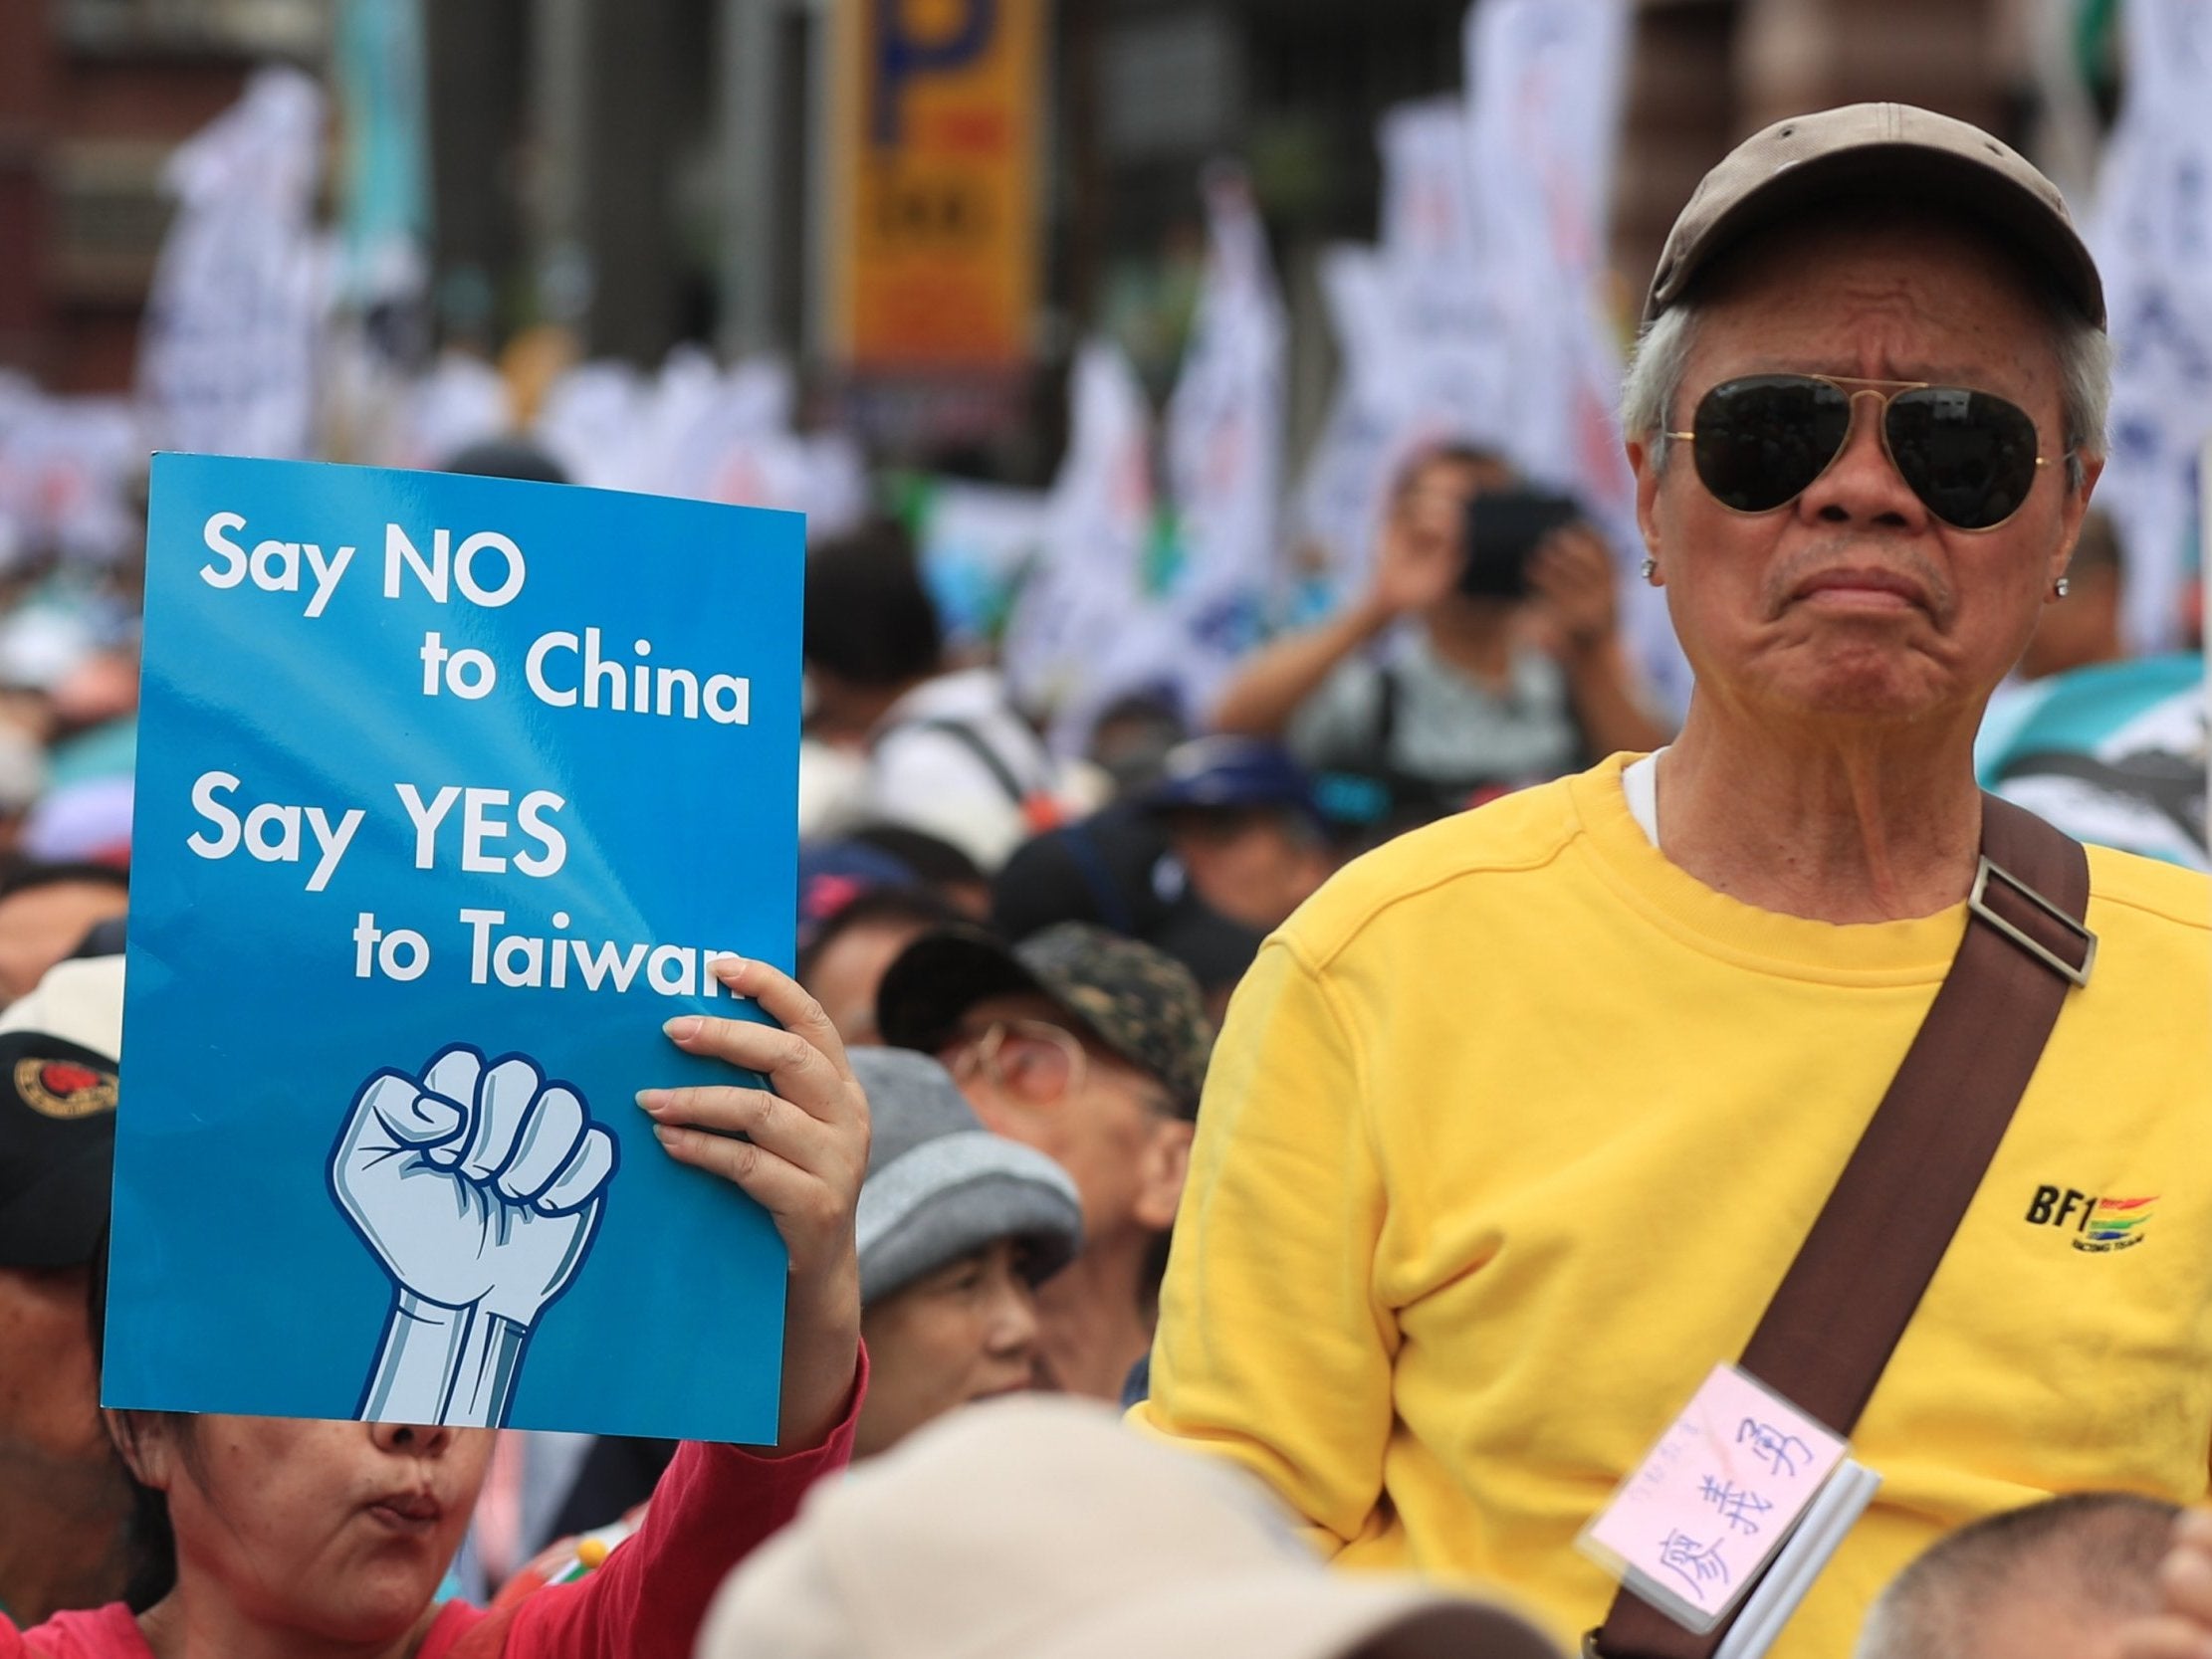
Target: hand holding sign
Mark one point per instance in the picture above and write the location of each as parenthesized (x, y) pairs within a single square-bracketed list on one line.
[(802, 1159), (479, 1188)]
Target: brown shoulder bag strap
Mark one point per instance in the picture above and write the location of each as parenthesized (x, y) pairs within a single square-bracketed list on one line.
[(1827, 1336)]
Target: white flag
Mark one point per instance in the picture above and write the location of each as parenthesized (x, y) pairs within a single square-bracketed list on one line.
[(1347, 474), (2153, 243), (21, 404), (1452, 357), (736, 442), (240, 292), (68, 465), (700, 431), (1089, 581), (1419, 339), (460, 400), (590, 420), (1544, 108), (1225, 450), (1545, 88), (82, 461)]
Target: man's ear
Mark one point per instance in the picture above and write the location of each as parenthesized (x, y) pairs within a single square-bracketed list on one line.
[(1165, 1165), (2075, 511), (1645, 464), (143, 1443)]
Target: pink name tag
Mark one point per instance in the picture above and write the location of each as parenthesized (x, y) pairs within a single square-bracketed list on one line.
[(1700, 1518)]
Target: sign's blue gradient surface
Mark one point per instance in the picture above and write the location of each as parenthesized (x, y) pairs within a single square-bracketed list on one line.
[(262, 1262)]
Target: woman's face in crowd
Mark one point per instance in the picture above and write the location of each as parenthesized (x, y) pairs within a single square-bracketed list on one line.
[(844, 977), (337, 1531), (965, 1333), (40, 925)]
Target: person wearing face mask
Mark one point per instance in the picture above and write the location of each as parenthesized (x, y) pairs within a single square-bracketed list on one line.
[(286, 1539)]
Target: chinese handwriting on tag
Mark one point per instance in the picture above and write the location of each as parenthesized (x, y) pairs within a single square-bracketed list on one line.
[(1697, 1563), (1780, 1452), (1701, 1516), (1738, 1506)]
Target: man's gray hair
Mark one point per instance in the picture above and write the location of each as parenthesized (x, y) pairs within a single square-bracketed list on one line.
[(1661, 359), (2092, 1555)]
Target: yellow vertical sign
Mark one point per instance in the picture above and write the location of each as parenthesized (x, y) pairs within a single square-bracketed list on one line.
[(934, 234)]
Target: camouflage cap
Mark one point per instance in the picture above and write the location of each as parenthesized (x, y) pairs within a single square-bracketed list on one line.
[(1141, 1004)]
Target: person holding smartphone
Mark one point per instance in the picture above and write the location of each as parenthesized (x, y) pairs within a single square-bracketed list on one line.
[(1509, 670)]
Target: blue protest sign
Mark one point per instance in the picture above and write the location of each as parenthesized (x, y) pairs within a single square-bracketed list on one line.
[(449, 792)]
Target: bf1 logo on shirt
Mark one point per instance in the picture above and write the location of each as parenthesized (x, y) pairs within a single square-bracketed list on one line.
[(2099, 1225)]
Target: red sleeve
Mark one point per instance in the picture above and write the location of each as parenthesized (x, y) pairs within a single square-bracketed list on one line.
[(712, 1507), (108, 1632)]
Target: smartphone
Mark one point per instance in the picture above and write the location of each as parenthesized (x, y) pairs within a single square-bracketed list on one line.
[(1504, 528)]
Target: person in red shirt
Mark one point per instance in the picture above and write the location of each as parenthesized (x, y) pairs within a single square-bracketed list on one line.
[(282, 1539)]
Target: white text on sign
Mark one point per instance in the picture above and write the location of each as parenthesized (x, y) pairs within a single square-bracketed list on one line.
[(270, 832), (562, 668)]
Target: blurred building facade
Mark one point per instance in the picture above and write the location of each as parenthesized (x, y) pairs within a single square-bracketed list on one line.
[(648, 171), (94, 96)]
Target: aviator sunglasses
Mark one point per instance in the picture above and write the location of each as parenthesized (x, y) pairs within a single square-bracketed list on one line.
[(1763, 439)]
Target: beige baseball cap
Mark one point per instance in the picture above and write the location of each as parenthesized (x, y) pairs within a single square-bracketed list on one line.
[(1040, 1528), (1890, 152)]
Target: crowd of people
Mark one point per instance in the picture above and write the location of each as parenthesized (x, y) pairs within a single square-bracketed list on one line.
[(1370, 1104)]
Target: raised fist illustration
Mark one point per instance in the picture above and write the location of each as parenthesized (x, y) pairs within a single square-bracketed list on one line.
[(477, 1186)]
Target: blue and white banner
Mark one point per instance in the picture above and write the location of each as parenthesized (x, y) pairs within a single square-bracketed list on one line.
[(450, 790)]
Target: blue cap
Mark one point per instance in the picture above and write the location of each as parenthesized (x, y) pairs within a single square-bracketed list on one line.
[(1228, 771), (832, 874)]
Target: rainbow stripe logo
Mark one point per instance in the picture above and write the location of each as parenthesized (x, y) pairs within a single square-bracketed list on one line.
[(2116, 1224)]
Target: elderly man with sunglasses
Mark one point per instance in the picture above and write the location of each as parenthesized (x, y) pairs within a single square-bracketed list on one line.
[(1513, 1128)]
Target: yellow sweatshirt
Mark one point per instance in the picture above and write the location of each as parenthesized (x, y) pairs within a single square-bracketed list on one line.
[(1513, 1130)]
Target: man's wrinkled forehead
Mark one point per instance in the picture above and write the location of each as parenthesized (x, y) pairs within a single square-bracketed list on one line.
[(1898, 296), (1877, 255)]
